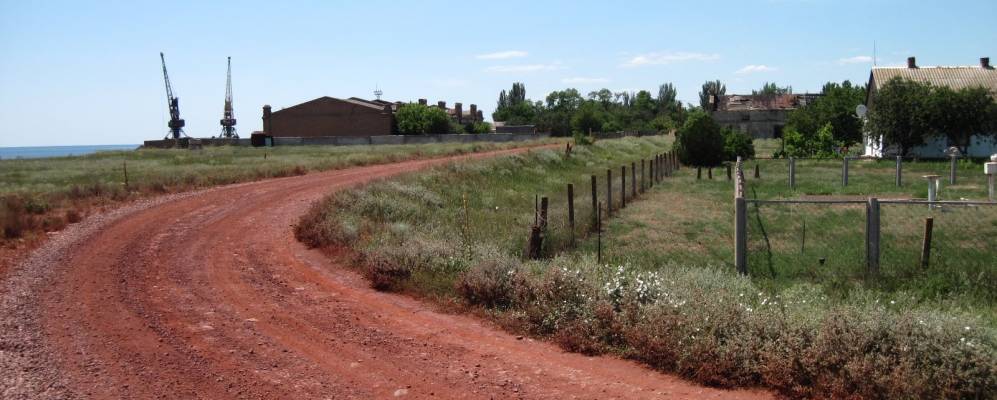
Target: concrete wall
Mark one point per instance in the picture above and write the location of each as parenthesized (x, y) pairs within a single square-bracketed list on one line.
[(358, 140), (760, 124)]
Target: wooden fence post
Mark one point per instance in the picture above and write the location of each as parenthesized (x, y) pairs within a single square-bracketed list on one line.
[(929, 224), (900, 167), (623, 186), (758, 173), (571, 211), (844, 171), (709, 173), (124, 166), (740, 235), (699, 173), (872, 235), (595, 203), (633, 180), (598, 230), (643, 183), (609, 193), (728, 172)]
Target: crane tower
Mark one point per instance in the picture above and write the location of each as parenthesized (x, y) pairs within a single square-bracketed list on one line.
[(176, 123), (228, 116)]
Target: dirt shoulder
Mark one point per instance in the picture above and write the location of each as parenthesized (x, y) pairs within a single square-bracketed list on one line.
[(207, 294)]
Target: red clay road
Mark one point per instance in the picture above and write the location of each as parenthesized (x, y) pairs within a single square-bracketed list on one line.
[(208, 295)]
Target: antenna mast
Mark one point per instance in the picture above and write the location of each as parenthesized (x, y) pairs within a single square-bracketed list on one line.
[(176, 123), (377, 92), (228, 116)]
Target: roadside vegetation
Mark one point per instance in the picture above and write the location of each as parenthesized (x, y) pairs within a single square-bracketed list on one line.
[(665, 293), (43, 195)]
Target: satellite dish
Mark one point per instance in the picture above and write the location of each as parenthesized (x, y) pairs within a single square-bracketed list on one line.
[(861, 110)]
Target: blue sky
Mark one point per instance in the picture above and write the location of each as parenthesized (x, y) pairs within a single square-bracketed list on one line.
[(89, 73)]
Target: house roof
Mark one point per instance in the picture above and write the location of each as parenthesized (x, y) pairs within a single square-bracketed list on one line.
[(953, 77)]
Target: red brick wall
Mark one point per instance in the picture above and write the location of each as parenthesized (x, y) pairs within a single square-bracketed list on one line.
[(329, 117)]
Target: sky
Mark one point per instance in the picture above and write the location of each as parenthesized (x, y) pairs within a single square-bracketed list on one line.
[(77, 73)]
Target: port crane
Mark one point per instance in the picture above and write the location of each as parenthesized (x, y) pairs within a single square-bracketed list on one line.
[(176, 123), (228, 116)]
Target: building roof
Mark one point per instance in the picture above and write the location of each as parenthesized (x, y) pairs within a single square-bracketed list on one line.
[(953, 77), (358, 102), (739, 102)]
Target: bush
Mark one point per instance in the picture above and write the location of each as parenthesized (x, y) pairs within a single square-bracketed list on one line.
[(737, 144), (489, 283), (385, 274), (819, 145), (699, 142), (417, 119)]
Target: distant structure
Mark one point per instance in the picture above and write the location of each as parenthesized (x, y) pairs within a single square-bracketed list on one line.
[(761, 116), (176, 123), (956, 77), (228, 115), (378, 92), (330, 116)]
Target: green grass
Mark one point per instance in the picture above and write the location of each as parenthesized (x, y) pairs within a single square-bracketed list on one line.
[(36, 194), (665, 293)]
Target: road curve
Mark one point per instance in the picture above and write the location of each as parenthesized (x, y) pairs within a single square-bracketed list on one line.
[(208, 295)]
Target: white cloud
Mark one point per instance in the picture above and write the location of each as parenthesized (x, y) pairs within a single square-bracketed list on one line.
[(501, 55), (582, 80), (522, 68), (750, 69), (668, 58), (855, 60)]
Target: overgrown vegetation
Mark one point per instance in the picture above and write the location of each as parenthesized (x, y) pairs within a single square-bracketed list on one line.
[(564, 112), (40, 195), (665, 297)]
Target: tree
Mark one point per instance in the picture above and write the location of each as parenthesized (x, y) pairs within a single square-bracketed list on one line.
[(666, 98), (771, 89), (588, 118), (644, 107), (837, 107), (737, 144), (899, 115), (712, 90), (699, 142), (417, 119), (819, 145), (960, 114), (513, 107)]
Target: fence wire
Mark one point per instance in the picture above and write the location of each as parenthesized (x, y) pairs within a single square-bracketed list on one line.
[(805, 239)]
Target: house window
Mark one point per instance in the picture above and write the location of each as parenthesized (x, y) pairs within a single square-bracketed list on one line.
[(777, 131)]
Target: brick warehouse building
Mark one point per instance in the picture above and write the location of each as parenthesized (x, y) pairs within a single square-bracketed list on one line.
[(329, 116)]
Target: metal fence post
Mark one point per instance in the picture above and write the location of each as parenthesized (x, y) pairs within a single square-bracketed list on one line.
[(872, 225), (844, 171), (792, 173), (952, 165), (900, 167)]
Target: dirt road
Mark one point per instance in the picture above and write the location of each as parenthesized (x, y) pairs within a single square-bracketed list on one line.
[(208, 295)]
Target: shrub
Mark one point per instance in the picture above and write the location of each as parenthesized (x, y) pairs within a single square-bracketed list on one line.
[(384, 274), (818, 145), (699, 142), (737, 144), (489, 283), (417, 119)]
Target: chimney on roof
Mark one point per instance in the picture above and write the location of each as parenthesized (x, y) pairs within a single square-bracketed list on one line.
[(441, 104), (911, 62), (474, 113), (985, 62), (266, 118), (458, 109), (423, 101)]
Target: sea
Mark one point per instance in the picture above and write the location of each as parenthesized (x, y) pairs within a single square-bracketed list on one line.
[(7, 153)]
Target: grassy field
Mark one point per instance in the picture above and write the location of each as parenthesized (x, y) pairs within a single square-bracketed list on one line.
[(665, 293), (38, 195)]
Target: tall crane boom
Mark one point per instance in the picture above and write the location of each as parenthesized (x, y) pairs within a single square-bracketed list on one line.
[(228, 116), (176, 123)]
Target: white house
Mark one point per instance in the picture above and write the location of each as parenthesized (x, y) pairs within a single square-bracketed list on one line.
[(955, 77)]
